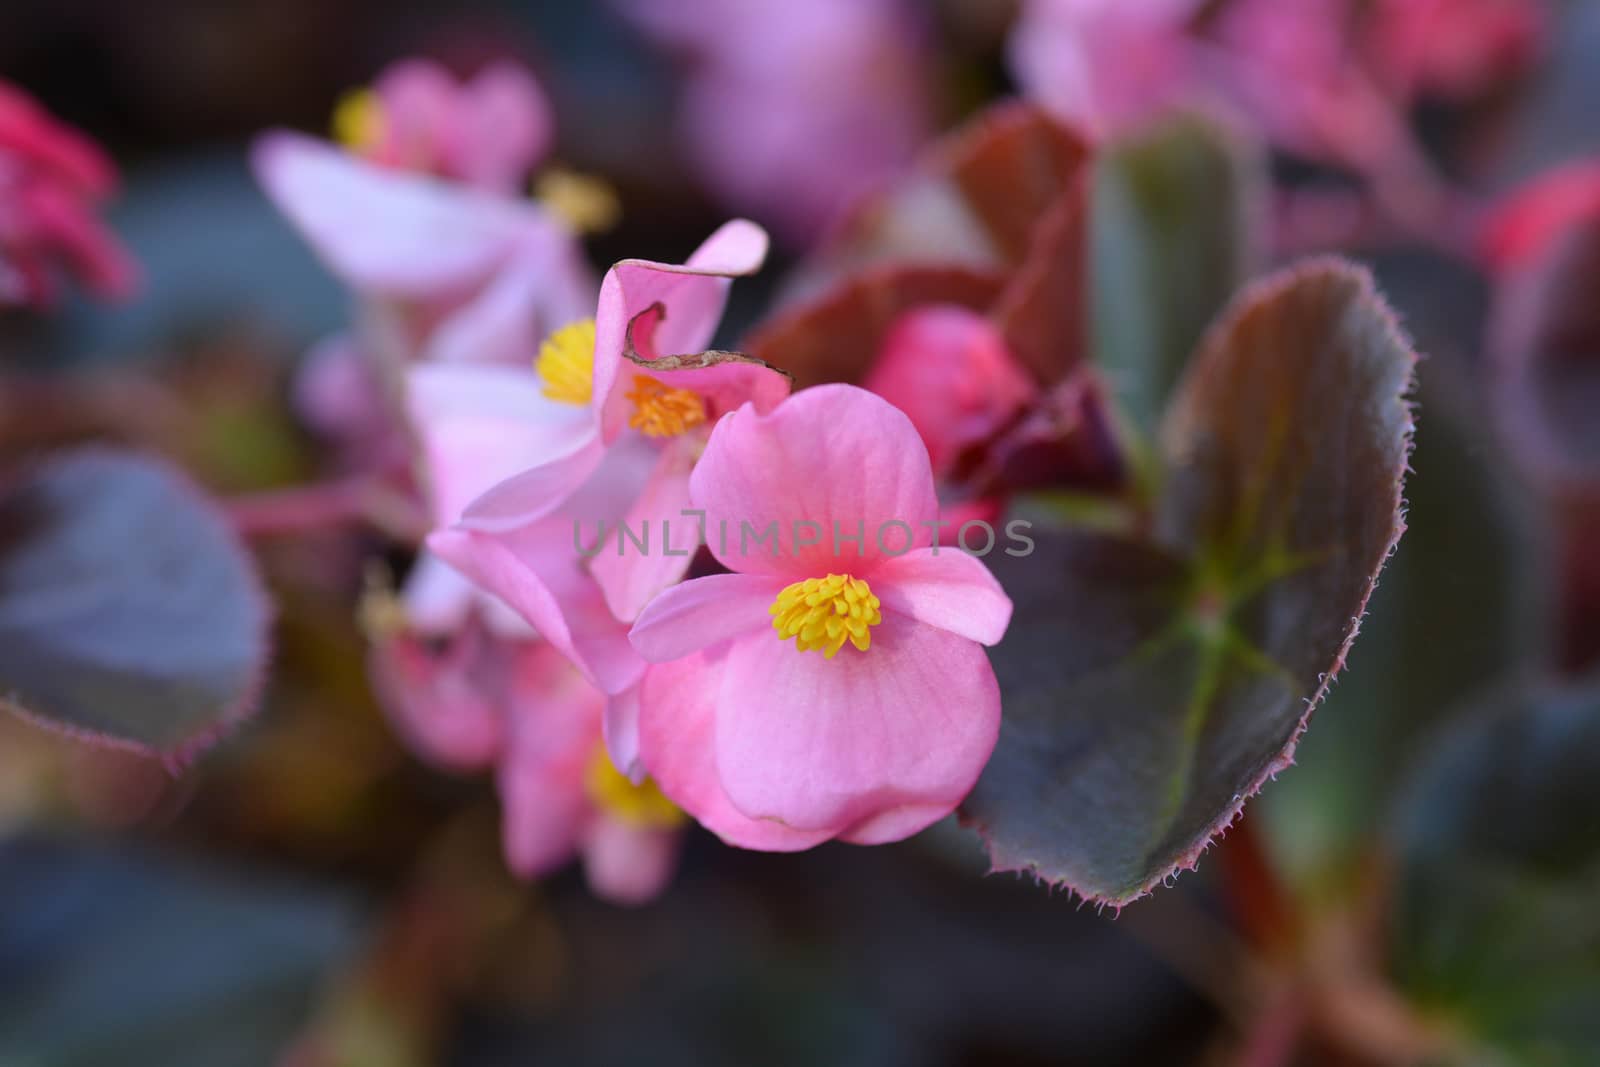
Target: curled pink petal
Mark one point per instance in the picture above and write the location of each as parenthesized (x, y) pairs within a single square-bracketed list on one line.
[(691, 296), (653, 545)]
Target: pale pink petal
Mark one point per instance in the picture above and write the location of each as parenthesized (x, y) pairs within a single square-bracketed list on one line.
[(630, 575), (385, 231), (503, 126), (481, 424), (447, 702), (628, 864), (535, 571), (821, 744), (532, 494), (555, 725), (543, 286), (692, 297), (704, 612), (949, 370), (830, 460), (436, 597), (677, 735), (622, 733), (896, 824), (945, 588)]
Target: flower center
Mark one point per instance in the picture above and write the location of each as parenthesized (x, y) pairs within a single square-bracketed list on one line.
[(821, 614), (642, 805), (661, 411), (566, 363), (358, 120)]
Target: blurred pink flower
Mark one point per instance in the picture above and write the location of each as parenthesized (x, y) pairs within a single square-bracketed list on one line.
[(486, 131), (1456, 48), (1538, 213), (1104, 66), (791, 111), (476, 700), (780, 746), (51, 180), (947, 367)]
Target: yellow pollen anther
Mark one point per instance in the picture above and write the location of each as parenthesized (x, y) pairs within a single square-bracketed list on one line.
[(642, 805), (566, 363), (661, 411), (358, 120), (821, 614), (585, 203)]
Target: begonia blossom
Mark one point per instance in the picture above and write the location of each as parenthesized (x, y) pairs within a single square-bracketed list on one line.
[(835, 684), (52, 179)]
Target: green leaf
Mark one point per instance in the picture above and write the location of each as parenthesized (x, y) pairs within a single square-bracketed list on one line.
[(1171, 240), (1462, 605), (1151, 686), (130, 614), (1494, 924), (112, 957)]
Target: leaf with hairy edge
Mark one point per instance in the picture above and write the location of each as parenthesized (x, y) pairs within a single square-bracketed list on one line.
[(129, 612), (1151, 687), (1172, 239), (1493, 923)]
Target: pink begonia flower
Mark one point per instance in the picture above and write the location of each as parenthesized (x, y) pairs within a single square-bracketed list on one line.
[(791, 111), (415, 249), (562, 795), (479, 701), (948, 368), (51, 180), (486, 131), (1104, 65), (1539, 212), (625, 461), (1456, 49), (834, 685)]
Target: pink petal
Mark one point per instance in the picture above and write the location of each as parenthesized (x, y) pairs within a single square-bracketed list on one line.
[(629, 575), (622, 733), (504, 126), (833, 456), (447, 704), (535, 571), (945, 588), (542, 287), (949, 370), (554, 730), (820, 744), (629, 864), (677, 734), (692, 296), (704, 612), (481, 424), (386, 231), (532, 494)]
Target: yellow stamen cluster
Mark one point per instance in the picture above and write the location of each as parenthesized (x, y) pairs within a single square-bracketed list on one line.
[(566, 363), (821, 614), (585, 203), (642, 805), (358, 120), (662, 411)]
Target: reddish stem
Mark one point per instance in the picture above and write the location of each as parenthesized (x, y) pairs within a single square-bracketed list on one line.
[(316, 507)]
